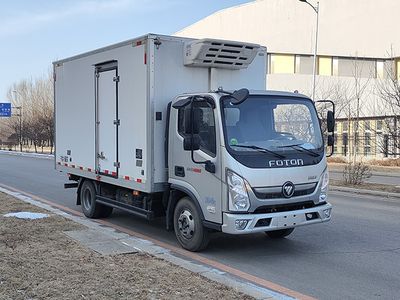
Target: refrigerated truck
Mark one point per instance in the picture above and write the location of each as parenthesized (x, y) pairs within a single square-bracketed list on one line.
[(184, 128)]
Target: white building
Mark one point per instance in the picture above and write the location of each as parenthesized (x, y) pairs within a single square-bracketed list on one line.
[(358, 49)]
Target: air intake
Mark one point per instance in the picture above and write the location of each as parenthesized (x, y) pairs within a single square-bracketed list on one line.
[(211, 53)]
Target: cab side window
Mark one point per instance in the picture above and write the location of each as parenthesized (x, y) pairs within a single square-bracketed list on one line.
[(207, 127)]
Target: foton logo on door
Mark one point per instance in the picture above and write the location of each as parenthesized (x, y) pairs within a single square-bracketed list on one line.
[(286, 163)]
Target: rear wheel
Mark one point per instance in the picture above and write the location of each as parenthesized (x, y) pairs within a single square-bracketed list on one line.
[(188, 226), (278, 234), (90, 208)]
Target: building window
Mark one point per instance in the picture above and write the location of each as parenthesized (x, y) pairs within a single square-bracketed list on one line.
[(380, 67), (379, 125), (282, 64), (345, 126), (367, 144), (325, 65), (356, 139), (344, 144), (367, 125)]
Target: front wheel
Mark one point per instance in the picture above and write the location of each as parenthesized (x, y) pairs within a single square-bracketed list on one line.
[(188, 226), (278, 234)]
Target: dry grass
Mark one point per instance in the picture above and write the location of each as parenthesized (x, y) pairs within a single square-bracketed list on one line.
[(336, 160), (388, 162), (393, 162), (38, 261)]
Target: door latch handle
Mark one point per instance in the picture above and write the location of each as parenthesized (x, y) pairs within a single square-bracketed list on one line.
[(101, 155)]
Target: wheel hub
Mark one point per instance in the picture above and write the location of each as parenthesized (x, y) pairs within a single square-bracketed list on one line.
[(186, 224)]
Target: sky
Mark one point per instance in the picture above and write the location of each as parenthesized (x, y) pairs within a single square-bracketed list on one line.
[(33, 34)]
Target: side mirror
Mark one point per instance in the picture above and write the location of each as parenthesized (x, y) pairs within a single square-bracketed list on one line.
[(192, 122), (240, 96), (191, 142), (330, 121)]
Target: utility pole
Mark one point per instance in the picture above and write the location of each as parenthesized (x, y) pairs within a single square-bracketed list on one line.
[(316, 10), (20, 120)]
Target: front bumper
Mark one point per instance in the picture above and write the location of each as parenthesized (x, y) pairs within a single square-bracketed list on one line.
[(276, 221)]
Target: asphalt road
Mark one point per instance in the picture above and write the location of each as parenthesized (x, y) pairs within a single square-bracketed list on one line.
[(355, 256)]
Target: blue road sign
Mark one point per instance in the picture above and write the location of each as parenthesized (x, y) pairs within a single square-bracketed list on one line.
[(5, 109)]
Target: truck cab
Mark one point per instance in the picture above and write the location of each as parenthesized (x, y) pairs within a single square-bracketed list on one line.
[(253, 164)]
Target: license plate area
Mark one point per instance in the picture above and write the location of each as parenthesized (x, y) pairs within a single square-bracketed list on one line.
[(290, 220)]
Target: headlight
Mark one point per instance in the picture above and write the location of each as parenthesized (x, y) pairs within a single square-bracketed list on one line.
[(324, 186), (237, 192)]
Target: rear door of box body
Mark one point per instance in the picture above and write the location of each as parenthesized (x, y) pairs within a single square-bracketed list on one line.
[(125, 100), (107, 118)]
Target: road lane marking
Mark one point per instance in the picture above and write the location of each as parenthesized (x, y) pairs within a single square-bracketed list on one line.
[(178, 250)]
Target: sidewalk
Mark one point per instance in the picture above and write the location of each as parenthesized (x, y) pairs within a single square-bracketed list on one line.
[(28, 154), (39, 260)]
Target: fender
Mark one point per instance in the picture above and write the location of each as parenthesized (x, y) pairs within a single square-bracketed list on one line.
[(176, 193), (78, 192)]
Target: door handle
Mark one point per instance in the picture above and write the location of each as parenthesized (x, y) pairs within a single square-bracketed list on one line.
[(101, 155), (179, 171)]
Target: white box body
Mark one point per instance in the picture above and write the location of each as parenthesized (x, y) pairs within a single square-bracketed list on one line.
[(149, 73)]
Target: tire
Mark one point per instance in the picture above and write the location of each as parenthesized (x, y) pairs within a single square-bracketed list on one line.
[(188, 227), (90, 208), (279, 234)]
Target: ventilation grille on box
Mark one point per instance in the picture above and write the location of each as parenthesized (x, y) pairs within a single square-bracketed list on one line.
[(219, 54)]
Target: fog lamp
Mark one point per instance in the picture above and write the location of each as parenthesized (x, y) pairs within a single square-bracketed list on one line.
[(241, 224), (327, 213)]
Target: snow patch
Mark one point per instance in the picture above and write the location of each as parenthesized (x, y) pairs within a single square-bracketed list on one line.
[(27, 215)]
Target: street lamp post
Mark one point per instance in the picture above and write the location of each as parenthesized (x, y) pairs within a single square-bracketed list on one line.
[(316, 9), (20, 120)]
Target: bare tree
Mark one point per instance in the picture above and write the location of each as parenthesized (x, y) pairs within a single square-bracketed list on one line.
[(388, 89), (35, 97)]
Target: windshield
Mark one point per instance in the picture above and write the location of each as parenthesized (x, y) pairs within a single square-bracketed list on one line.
[(280, 125)]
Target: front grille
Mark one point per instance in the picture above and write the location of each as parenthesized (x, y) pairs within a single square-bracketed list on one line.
[(286, 207), (276, 192)]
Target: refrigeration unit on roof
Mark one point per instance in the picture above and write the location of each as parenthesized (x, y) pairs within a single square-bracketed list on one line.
[(214, 53)]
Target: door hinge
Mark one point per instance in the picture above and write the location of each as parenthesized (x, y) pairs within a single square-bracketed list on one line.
[(116, 79), (117, 164), (117, 122)]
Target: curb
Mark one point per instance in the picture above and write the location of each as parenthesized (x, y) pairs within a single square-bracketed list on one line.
[(28, 154), (364, 191), (146, 246)]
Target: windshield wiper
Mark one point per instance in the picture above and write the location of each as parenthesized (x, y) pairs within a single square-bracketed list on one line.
[(264, 150), (301, 149)]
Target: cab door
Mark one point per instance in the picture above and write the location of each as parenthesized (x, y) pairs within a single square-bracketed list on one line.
[(184, 171)]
